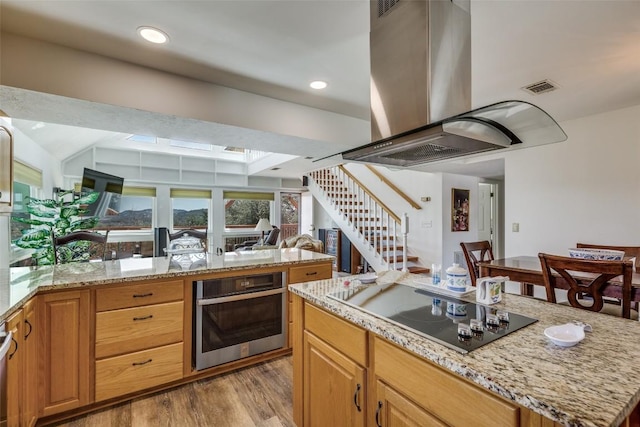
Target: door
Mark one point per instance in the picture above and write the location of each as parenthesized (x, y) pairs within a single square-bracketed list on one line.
[(485, 214), (14, 370), (30, 364), (334, 387), (395, 410), (63, 325)]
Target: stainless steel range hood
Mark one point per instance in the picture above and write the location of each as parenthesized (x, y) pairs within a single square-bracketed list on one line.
[(421, 90)]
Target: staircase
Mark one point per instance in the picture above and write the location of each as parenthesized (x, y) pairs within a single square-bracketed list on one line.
[(378, 233)]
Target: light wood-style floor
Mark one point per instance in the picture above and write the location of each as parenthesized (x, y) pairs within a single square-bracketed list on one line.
[(259, 396)]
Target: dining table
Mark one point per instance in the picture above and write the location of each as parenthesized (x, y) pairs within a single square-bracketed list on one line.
[(528, 270)]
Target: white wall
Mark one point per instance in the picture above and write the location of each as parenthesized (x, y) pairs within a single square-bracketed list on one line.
[(586, 189)]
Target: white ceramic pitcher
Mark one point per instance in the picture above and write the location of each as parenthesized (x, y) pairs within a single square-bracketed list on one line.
[(489, 289)]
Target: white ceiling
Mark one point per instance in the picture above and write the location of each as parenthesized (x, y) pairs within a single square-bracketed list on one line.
[(590, 49)]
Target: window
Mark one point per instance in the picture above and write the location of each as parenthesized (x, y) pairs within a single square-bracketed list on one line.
[(27, 182), (289, 214), (132, 210), (190, 208), (243, 210)]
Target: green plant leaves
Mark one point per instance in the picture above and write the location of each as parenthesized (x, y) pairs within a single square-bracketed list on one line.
[(61, 217), (88, 198)]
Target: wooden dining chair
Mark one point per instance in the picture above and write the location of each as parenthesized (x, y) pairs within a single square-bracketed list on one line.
[(80, 246), (475, 252), (629, 251), (584, 280)]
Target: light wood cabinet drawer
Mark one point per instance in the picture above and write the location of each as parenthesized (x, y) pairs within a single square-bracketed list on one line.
[(450, 398), (138, 328), (139, 294), (133, 372), (308, 273), (340, 334)]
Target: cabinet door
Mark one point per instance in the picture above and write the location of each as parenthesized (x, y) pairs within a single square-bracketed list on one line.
[(14, 369), (334, 387), (30, 365), (64, 324), (395, 410)]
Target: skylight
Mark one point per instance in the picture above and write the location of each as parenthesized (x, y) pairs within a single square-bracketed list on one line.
[(143, 138), (190, 145)]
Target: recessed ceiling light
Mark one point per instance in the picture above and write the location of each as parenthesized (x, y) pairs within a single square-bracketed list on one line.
[(318, 84), (153, 35)]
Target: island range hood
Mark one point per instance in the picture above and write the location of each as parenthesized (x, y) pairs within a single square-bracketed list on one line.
[(421, 91)]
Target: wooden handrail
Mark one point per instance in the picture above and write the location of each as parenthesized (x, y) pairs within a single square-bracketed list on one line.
[(378, 201), (393, 187)]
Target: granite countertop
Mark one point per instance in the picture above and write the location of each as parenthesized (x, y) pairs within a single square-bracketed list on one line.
[(18, 284), (591, 384)]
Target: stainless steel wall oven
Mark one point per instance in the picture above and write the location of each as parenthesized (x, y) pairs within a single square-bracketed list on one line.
[(237, 317)]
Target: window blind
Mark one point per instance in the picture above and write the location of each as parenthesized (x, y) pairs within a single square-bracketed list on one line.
[(27, 174), (185, 193), (139, 191), (243, 195)]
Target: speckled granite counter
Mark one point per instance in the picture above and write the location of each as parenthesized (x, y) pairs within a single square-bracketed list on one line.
[(18, 284), (591, 384)]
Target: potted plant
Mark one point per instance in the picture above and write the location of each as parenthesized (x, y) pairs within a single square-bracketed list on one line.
[(53, 218)]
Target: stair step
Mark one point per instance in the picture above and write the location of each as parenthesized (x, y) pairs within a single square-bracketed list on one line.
[(343, 195), (399, 258), (375, 228), (416, 269)]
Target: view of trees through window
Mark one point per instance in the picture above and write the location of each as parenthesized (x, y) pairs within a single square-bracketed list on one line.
[(245, 213), (127, 213), (289, 214), (190, 213)]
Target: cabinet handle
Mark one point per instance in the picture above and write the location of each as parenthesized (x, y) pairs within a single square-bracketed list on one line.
[(378, 414), (312, 273), (16, 349), (142, 363), (30, 329), (356, 399), (150, 294), (143, 318)]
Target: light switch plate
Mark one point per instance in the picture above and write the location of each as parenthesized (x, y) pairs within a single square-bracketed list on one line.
[(515, 227)]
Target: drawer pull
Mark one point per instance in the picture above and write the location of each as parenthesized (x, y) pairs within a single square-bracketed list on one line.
[(378, 414), (142, 363), (143, 318), (356, 398), (312, 273), (150, 294)]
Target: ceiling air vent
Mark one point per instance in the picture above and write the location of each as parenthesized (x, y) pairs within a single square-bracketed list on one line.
[(541, 87)]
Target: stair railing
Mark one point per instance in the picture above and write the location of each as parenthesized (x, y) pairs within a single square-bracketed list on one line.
[(376, 224)]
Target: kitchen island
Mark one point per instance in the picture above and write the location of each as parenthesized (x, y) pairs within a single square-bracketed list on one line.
[(90, 335), (521, 379)]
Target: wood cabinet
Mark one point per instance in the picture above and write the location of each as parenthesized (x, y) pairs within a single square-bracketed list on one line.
[(139, 337), (14, 359), (334, 386), (443, 395), (29, 410), (339, 367), (64, 325), (333, 368), (299, 274), (395, 410)]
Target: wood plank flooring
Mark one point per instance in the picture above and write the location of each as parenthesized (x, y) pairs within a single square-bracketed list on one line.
[(258, 396)]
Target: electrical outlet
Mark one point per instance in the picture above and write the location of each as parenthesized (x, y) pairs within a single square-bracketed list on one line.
[(515, 227)]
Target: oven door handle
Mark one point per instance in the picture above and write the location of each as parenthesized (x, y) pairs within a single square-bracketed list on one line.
[(240, 297), (6, 344)]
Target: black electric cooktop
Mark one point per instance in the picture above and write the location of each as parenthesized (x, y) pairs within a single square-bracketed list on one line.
[(457, 324)]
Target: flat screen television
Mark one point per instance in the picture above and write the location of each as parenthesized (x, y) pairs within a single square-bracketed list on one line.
[(107, 185)]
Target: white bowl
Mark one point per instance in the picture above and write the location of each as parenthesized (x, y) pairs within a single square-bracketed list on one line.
[(596, 254), (367, 278), (566, 335)]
